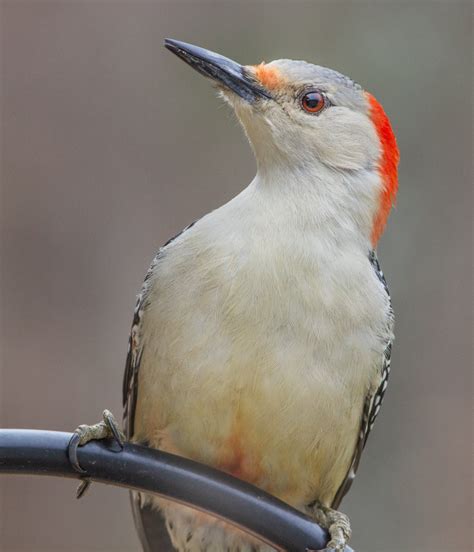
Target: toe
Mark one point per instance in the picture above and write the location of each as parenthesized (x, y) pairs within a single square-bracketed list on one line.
[(74, 442), (113, 427)]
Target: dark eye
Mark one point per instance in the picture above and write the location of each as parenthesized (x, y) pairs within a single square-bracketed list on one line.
[(312, 102)]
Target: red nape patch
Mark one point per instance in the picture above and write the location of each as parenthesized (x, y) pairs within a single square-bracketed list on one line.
[(388, 166)]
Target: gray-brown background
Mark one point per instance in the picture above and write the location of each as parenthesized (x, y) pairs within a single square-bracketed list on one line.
[(110, 145)]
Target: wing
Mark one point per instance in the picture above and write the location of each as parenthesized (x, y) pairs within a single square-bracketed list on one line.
[(134, 355), (373, 401), (135, 350), (148, 521)]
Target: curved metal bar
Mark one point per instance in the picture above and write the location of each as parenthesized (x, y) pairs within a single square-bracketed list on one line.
[(179, 479)]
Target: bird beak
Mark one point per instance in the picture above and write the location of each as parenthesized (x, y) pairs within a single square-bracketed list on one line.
[(224, 71)]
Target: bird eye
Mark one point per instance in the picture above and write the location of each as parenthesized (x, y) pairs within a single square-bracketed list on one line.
[(312, 102)]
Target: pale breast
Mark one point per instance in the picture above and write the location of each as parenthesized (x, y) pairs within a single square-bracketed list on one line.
[(258, 353)]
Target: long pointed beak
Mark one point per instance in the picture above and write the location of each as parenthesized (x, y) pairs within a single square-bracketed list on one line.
[(223, 70)]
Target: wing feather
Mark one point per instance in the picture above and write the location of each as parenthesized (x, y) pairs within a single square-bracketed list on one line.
[(135, 349), (373, 401), (149, 523)]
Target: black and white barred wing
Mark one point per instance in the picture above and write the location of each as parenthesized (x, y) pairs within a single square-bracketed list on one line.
[(134, 355), (373, 401), (135, 345), (148, 521)]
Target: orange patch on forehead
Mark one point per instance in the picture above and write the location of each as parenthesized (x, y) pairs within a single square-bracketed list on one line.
[(388, 166), (269, 77)]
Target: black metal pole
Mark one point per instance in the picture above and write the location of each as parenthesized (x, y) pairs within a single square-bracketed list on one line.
[(152, 471)]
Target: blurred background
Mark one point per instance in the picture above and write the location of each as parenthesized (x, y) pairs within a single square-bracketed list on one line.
[(110, 145)]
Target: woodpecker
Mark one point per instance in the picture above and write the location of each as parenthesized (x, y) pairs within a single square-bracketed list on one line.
[(262, 334)]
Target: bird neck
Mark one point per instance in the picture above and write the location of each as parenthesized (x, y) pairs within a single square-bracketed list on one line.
[(337, 204)]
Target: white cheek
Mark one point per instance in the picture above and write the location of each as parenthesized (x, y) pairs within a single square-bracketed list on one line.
[(339, 138), (345, 139)]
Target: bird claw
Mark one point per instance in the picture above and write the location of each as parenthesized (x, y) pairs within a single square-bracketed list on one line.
[(108, 428), (74, 442), (82, 488), (113, 427), (337, 525)]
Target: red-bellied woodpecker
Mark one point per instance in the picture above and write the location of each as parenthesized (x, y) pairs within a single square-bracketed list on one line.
[(262, 334)]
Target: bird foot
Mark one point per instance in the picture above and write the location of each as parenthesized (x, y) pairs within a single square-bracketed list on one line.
[(336, 523), (108, 428)]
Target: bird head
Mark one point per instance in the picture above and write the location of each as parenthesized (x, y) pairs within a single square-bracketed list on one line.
[(314, 123)]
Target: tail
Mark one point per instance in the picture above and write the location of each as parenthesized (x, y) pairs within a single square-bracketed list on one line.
[(150, 525)]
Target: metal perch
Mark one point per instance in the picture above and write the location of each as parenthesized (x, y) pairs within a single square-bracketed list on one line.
[(26, 451)]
